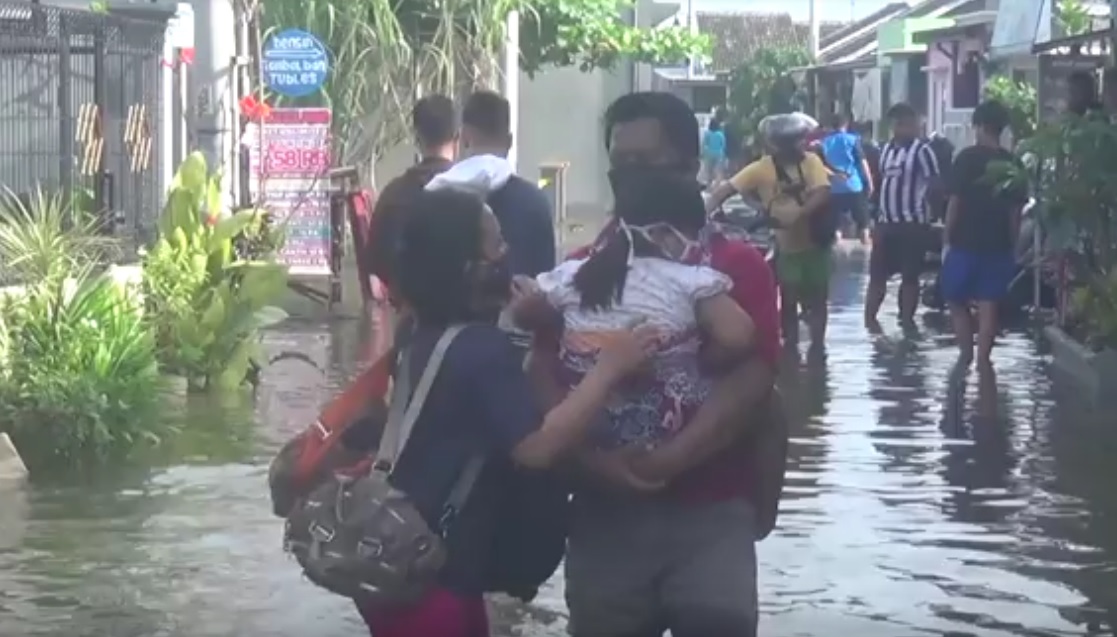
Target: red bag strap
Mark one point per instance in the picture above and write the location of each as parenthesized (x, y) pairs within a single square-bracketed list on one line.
[(340, 414)]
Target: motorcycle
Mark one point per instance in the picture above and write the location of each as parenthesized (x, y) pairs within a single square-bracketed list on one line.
[(738, 219)]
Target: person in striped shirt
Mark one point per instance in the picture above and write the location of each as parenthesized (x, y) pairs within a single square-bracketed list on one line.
[(902, 236)]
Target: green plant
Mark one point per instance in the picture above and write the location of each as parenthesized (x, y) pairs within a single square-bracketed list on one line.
[(761, 86), (1071, 166), (1073, 17), (78, 370), (1020, 100), (43, 236), (385, 54), (205, 302)]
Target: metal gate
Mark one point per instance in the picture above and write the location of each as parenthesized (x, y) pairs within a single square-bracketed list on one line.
[(80, 110)]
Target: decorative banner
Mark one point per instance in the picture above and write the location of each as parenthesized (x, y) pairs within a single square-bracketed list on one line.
[(295, 63), (289, 162)]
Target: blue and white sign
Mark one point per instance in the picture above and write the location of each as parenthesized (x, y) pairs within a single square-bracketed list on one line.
[(295, 63)]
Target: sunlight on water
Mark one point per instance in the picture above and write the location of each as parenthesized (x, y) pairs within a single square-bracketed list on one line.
[(915, 506)]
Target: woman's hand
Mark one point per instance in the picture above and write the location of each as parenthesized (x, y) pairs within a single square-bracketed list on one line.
[(524, 287), (627, 351)]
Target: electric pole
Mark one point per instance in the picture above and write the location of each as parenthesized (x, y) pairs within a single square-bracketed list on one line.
[(512, 78), (813, 18)]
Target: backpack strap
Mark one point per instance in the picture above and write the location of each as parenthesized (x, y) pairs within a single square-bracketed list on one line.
[(406, 405), (785, 180), (404, 411)]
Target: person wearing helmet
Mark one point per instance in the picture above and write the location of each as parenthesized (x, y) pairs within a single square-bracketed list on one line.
[(793, 188)]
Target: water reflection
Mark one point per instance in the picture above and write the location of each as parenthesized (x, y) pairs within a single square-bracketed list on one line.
[(919, 502)]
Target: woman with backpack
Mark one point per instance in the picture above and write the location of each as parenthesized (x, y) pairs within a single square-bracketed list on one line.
[(480, 405)]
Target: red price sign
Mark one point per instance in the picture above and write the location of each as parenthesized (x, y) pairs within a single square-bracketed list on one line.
[(284, 159)]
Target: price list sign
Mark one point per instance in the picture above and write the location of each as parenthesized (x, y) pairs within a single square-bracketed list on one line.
[(289, 160)]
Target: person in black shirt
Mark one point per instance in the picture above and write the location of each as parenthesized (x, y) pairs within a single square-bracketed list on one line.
[(435, 125), (982, 223)]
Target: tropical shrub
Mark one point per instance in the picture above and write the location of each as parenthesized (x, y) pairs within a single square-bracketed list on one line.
[(78, 370), (1020, 100), (762, 86), (1071, 165), (206, 303)]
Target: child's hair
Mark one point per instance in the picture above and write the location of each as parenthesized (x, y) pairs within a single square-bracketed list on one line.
[(441, 237), (670, 200)]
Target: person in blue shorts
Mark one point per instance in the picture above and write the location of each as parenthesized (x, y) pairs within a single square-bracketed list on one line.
[(982, 223)]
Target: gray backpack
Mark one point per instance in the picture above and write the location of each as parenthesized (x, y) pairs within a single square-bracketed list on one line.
[(363, 538)]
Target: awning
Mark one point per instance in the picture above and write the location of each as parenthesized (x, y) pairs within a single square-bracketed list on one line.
[(1089, 40), (976, 24), (863, 58)]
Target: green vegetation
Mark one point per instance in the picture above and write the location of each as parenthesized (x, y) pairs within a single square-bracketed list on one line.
[(1020, 100), (78, 372), (1073, 17), (761, 86), (206, 302), (1071, 166), (387, 53), (83, 357)]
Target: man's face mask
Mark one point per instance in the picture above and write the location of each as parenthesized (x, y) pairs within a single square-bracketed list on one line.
[(673, 244), (628, 182)]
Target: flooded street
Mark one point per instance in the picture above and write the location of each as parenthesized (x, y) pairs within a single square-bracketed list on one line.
[(915, 505)]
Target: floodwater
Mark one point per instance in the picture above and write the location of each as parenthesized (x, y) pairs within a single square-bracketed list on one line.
[(916, 505)]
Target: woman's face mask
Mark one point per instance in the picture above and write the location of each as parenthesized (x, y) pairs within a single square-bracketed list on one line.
[(492, 287)]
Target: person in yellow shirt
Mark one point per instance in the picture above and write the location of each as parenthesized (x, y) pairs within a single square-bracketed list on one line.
[(793, 186)]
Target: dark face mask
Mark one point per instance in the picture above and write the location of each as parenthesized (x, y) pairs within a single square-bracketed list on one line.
[(493, 281), (628, 182)]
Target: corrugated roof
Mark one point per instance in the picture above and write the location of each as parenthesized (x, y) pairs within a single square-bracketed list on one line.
[(736, 36), (862, 43), (858, 35), (869, 22)]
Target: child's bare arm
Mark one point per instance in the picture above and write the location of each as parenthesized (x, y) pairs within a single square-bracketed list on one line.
[(541, 369), (729, 330)]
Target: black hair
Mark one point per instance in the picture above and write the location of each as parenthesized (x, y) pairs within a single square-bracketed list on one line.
[(837, 121), (715, 125), (991, 116), (441, 237), (670, 200), (901, 111), (433, 120), (488, 113), (675, 117)]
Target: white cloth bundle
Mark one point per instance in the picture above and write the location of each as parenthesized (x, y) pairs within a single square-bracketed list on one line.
[(481, 175)]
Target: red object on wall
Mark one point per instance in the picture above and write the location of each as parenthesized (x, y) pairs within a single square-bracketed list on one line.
[(361, 204)]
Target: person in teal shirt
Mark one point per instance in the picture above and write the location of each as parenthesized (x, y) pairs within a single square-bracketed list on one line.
[(713, 153)]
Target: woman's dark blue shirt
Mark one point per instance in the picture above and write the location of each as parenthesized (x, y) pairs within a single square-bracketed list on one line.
[(481, 402)]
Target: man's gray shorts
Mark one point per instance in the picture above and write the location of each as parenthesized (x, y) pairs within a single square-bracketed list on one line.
[(638, 567)]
